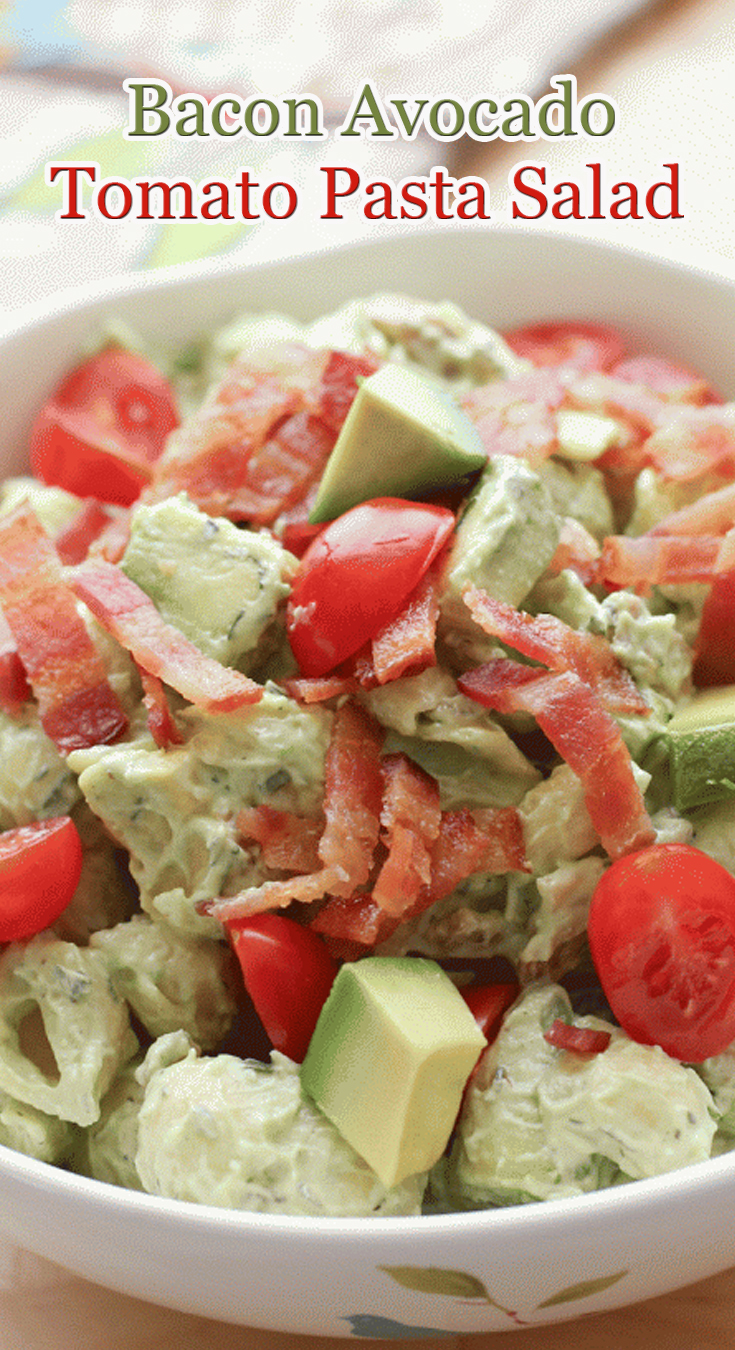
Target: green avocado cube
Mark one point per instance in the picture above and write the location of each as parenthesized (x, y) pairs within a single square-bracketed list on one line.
[(701, 739), (402, 436), (389, 1059)]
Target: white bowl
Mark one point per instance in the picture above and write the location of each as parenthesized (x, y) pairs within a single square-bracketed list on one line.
[(395, 1277)]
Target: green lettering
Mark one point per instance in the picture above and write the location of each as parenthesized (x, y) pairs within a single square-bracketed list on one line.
[(142, 111), (375, 112), (216, 110)]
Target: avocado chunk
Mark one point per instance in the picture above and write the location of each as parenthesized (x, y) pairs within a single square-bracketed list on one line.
[(402, 436), (388, 1061), (701, 740)]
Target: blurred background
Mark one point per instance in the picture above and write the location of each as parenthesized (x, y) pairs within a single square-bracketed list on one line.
[(668, 65)]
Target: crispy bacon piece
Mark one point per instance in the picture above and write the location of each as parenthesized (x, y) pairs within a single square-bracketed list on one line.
[(73, 543), (572, 716), (288, 842), (319, 688), (549, 640), (161, 722), (657, 560), (339, 384), (352, 797), (130, 615), (517, 416), (577, 549), (407, 644), (714, 513), (468, 841), (279, 472), (67, 674), (669, 379), (410, 816), (695, 442)]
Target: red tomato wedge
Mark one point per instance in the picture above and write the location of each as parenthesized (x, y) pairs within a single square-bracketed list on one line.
[(76, 702), (488, 1004), (582, 731), (574, 342), (288, 973), (357, 575), (40, 867), (104, 426), (662, 936), (126, 611)]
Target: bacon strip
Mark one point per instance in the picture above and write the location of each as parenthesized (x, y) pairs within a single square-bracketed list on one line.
[(279, 473), (547, 639), (339, 384), (517, 416), (714, 513), (288, 842), (408, 642), (410, 817), (67, 674), (161, 723), (319, 688), (352, 797), (695, 442), (657, 560), (130, 615), (468, 841), (73, 542), (573, 718)]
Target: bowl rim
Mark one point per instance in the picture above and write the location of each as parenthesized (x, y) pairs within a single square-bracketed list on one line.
[(695, 1181)]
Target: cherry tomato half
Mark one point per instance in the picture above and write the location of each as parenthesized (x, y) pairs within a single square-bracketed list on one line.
[(103, 427), (40, 866), (583, 346), (356, 575), (488, 1004), (661, 931), (288, 973)]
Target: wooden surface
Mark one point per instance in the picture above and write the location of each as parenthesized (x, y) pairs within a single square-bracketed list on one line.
[(671, 74)]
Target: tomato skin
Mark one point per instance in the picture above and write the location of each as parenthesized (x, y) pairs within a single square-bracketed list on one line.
[(488, 1003), (714, 657), (356, 575), (103, 427), (577, 343), (40, 866), (661, 930), (288, 973)]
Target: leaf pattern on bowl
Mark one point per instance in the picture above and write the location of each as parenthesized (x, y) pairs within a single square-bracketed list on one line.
[(466, 1287)]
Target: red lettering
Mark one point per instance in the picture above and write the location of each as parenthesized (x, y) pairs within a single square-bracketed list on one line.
[(631, 201), (71, 195), (441, 186), (353, 179), (572, 200), (527, 190), (476, 187), (245, 186), (291, 197), (372, 210), (673, 188), (222, 200), (410, 200), (167, 190), (127, 199)]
